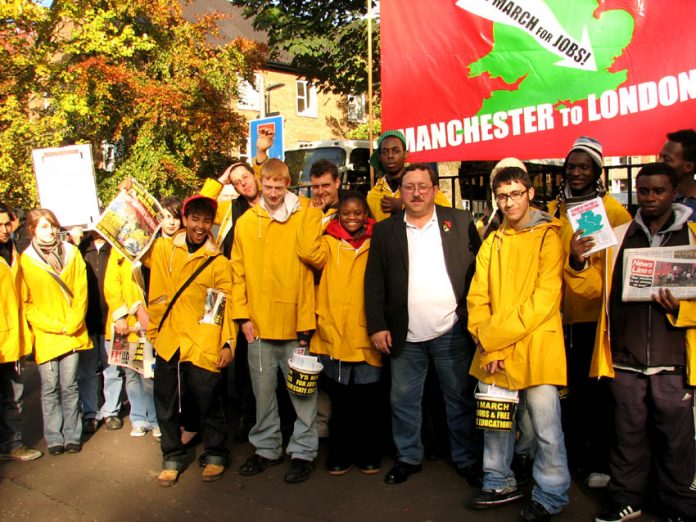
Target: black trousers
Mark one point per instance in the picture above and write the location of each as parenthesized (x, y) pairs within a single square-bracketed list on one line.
[(354, 427), (587, 415), (174, 380), (654, 423)]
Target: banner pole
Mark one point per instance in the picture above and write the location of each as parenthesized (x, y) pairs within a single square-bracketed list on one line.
[(369, 85)]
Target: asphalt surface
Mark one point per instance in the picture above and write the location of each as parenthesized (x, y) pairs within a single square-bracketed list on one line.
[(114, 478)]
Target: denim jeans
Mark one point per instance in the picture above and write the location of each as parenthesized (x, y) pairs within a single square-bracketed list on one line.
[(266, 358), (550, 469), (141, 395), (88, 382), (11, 391), (451, 355), (60, 400)]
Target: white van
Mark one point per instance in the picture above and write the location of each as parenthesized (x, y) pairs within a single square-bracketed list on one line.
[(352, 157)]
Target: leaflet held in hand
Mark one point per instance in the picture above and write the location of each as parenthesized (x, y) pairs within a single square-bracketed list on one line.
[(591, 217)]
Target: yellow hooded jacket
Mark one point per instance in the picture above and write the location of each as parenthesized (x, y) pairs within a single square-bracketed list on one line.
[(170, 267), (594, 282), (381, 189), (272, 287), (577, 309), (122, 292), (57, 320), (514, 305), (15, 336), (341, 323)]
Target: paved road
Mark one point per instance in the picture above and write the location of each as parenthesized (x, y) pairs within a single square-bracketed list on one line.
[(114, 478)]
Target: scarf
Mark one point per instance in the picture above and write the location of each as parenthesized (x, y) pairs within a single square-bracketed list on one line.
[(50, 253), (335, 229)]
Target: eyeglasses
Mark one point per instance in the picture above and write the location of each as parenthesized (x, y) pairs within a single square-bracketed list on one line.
[(410, 189), (516, 195)]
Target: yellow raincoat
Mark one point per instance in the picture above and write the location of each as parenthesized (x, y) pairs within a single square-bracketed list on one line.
[(272, 287), (15, 336), (514, 306), (577, 309), (170, 267), (57, 320), (341, 323), (122, 292), (595, 283), (381, 189)]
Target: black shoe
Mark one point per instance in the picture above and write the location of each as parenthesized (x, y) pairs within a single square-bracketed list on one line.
[(535, 512), (618, 513), (336, 469), (299, 471), (73, 447), (371, 468), (113, 423), (257, 464), (56, 450), (400, 472), (473, 474), (90, 426), (488, 499)]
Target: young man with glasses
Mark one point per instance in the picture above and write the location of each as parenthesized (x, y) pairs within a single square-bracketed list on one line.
[(515, 319), (418, 272)]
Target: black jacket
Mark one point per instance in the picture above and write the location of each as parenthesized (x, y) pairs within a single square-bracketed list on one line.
[(386, 275), (95, 261)]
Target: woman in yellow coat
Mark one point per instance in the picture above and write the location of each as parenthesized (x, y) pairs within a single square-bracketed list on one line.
[(351, 363), (55, 299), (125, 295)]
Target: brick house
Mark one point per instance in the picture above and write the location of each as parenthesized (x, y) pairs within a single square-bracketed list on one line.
[(309, 115)]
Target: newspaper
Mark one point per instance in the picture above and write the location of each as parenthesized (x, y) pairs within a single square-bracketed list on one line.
[(214, 307), (138, 356), (131, 222), (646, 270), (591, 217)]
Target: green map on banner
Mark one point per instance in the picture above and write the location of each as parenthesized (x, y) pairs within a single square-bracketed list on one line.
[(528, 49)]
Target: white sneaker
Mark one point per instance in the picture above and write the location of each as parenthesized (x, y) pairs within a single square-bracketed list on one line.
[(157, 433), (138, 431), (597, 480)]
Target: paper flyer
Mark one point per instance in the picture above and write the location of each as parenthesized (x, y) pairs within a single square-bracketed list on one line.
[(591, 217)]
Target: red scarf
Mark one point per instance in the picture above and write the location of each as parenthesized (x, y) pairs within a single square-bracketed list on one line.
[(335, 229)]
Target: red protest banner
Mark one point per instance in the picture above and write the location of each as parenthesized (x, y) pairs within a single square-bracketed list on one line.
[(483, 79)]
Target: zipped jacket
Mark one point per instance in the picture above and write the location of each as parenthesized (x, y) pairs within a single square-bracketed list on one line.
[(56, 318), (15, 335)]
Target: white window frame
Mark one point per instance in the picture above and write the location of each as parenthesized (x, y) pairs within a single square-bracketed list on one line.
[(359, 100), (308, 95), (250, 97)]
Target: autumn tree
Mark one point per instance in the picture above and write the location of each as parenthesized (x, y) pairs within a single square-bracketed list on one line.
[(133, 73), (325, 40)]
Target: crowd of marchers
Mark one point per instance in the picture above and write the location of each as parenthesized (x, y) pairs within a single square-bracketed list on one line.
[(411, 307)]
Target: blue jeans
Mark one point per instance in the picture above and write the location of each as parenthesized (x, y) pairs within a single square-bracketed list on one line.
[(550, 469), (60, 400), (265, 359), (88, 382), (451, 354), (11, 391), (141, 396)]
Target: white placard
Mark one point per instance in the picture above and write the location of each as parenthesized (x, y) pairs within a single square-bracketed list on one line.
[(66, 185)]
